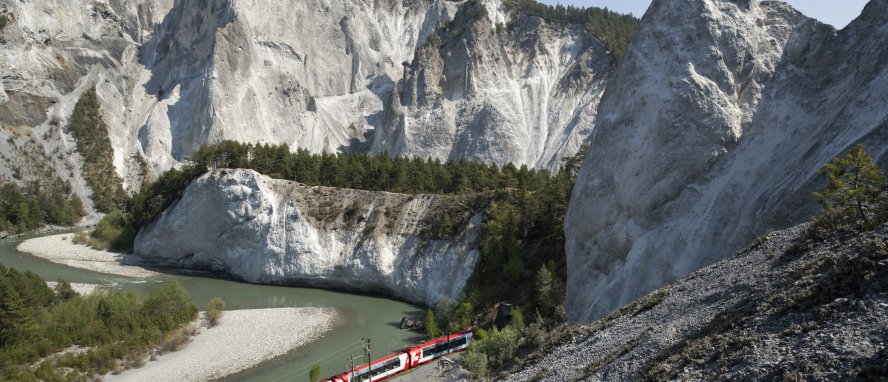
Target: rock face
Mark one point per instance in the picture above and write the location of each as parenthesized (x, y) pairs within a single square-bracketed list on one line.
[(524, 93), (317, 74), (271, 231), (711, 132)]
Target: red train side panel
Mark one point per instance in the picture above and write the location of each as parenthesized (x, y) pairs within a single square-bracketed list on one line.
[(377, 370)]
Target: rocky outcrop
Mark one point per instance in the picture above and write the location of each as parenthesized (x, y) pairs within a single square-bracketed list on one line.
[(269, 231), (711, 132)]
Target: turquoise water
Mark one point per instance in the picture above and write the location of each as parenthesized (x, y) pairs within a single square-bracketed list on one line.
[(360, 315)]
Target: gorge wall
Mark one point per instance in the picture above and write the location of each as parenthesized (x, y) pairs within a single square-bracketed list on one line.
[(268, 231), (712, 132), (172, 75), (707, 133)]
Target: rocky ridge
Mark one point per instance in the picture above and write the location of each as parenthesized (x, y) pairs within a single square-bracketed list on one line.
[(269, 231), (796, 304), (712, 131)]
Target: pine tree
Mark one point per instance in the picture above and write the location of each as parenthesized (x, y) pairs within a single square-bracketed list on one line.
[(13, 315), (431, 325), (544, 286), (854, 190)]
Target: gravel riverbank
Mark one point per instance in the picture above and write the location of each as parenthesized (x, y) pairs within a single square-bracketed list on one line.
[(60, 249), (243, 339)]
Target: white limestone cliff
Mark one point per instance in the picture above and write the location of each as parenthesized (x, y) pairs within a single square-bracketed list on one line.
[(268, 231), (173, 75), (711, 132), (524, 92)]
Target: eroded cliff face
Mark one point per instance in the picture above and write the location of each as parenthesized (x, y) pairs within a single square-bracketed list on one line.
[(50, 54), (269, 231), (522, 92), (711, 132), (308, 74), (315, 74)]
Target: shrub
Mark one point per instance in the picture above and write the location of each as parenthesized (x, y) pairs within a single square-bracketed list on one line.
[(535, 333), (475, 10), (518, 320), (444, 310), (167, 306), (314, 375), (64, 291), (462, 317), (115, 232), (475, 362), (214, 310), (499, 345)]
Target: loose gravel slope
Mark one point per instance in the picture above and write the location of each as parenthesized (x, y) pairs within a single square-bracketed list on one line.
[(795, 305)]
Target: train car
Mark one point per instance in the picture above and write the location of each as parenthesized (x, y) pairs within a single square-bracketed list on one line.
[(377, 370), (411, 357), (426, 352)]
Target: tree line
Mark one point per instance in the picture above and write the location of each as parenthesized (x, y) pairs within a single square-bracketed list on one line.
[(614, 29), (380, 172), (115, 329), (28, 209)]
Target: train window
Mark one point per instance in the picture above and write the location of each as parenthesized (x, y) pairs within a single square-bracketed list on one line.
[(444, 346), (379, 369)]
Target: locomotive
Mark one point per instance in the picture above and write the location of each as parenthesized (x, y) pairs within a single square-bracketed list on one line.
[(411, 357)]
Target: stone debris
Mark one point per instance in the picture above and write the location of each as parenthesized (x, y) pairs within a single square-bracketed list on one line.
[(773, 311)]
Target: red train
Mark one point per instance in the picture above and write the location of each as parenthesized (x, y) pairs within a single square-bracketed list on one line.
[(409, 358)]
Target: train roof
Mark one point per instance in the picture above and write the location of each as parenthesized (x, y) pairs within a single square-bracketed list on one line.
[(440, 339)]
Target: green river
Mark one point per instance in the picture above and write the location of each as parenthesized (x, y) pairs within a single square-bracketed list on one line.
[(360, 315)]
